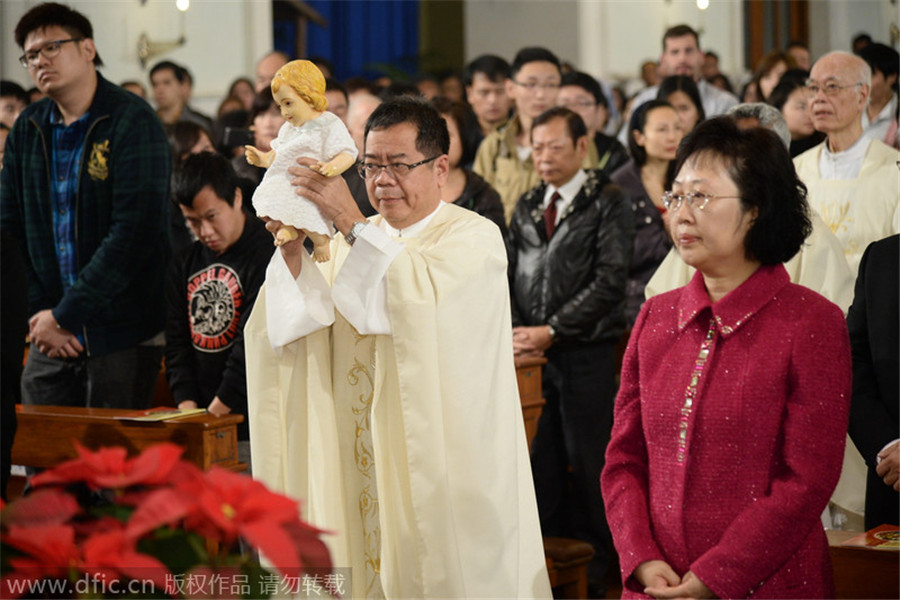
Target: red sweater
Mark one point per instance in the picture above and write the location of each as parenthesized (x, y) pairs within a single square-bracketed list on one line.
[(738, 499)]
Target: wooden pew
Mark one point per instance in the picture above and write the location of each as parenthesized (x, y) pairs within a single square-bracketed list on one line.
[(45, 435), (863, 572), (528, 376)]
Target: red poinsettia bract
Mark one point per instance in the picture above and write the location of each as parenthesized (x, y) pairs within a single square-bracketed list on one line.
[(111, 467), (231, 505)]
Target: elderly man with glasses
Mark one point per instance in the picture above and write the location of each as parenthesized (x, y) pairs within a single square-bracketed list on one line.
[(852, 182), (84, 189), (381, 385), (852, 179)]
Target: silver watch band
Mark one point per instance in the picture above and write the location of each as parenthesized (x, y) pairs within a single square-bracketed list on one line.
[(354, 232)]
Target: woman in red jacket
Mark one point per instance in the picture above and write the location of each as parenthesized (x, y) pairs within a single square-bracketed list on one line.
[(732, 412)]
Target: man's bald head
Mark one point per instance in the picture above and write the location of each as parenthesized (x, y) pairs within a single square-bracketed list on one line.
[(361, 107), (266, 68)]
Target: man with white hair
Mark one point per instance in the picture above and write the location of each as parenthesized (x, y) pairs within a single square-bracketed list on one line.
[(820, 265), (852, 179), (852, 182)]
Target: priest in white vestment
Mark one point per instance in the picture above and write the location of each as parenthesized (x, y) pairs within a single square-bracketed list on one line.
[(381, 385)]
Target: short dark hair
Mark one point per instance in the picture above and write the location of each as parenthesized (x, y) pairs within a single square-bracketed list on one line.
[(682, 83), (177, 70), (574, 122), (796, 44), (533, 54), (637, 123), (712, 53), (457, 112), (680, 31), (432, 138), (51, 14), (861, 38), (201, 170), (11, 88), (588, 84), (882, 57), (333, 85), (490, 65), (791, 80), (760, 166), (183, 136)]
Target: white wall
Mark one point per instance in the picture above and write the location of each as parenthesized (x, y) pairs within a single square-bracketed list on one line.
[(617, 36), (224, 39), (502, 27), (834, 23)]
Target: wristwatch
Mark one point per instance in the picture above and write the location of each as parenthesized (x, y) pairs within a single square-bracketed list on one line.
[(552, 332), (354, 232)]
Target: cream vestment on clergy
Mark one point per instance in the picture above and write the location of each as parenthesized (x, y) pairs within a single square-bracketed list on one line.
[(410, 447), (859, 211)]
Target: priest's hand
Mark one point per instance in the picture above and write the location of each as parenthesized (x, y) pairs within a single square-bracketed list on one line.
[(889, 465), (531, 340), (656, 576), (292, 250), (50, 338), (330, 194), (187, 405), (690, 587)]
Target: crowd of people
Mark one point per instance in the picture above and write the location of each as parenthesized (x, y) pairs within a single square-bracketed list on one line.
[(743, 250)]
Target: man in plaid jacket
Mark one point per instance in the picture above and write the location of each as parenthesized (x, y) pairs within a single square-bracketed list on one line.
[(84, 189)]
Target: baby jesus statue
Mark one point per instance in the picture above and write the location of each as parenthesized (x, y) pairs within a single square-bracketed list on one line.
[(299, 90)]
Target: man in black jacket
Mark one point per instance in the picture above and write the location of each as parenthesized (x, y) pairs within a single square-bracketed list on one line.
[(570, 243), (211, 288)]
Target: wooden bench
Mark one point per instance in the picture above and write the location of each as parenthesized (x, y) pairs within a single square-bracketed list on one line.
[(567, 558), (528, 376), (45, 434), (863, 572)]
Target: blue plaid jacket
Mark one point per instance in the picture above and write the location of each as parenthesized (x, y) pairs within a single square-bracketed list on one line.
[(121, 219)]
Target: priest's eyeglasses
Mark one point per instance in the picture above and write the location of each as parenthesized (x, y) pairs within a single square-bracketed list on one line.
[(695, 200), (396, 170), (49, 50)]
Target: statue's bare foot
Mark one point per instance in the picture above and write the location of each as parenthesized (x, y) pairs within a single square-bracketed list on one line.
[(285, 235), (321, 253)]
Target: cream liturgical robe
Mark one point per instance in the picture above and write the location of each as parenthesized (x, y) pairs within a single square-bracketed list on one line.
[(859, 211), (408, 446)]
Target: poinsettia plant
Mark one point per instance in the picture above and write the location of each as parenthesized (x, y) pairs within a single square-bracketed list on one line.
[(105, 525)]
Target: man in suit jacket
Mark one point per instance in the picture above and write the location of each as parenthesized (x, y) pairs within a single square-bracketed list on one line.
[(873, 323)]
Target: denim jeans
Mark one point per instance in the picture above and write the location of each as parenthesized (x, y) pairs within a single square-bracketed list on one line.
[(125, 379)]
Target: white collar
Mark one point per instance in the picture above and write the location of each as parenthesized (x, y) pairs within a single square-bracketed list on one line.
[(413, 230), (846, 164), (567, 191)]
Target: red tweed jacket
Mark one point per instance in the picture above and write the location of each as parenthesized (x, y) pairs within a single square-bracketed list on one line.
[(729, 436)]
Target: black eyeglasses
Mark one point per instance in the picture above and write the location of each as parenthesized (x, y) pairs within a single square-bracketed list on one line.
[(397, 170), (49, 50)]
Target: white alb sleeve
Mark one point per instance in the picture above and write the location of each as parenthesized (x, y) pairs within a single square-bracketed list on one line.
[(296, 307), (360, 291)]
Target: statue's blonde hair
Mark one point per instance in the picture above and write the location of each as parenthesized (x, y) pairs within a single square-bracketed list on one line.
[(306, 79)]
